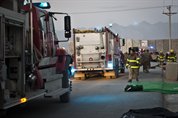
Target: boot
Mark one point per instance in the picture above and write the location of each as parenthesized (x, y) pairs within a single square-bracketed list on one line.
[(130, 80)]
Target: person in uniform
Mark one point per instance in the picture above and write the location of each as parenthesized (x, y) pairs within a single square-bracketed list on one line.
[(133, 65), (146, 59), (171, 56), (161, 58)]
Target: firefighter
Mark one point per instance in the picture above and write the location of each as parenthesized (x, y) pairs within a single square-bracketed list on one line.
[(146, 59), (133, 65), (125, 57), (166, 56), (171, 56), (161, 58), (122, 62), (70, 65)]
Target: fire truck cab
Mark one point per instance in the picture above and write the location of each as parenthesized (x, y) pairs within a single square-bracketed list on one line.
[(31, 65)]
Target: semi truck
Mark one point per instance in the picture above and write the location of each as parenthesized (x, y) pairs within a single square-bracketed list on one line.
[(96, 51), (31, 62)]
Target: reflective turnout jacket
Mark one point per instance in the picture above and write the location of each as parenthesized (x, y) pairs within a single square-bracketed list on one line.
[(172, 57), (161, 57), (133, 61)]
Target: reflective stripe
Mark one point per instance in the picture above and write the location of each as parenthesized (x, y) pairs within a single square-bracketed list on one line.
[(171, 57), (132, 60), (138, 59), (134, 67), (171, 60), (161, 57)]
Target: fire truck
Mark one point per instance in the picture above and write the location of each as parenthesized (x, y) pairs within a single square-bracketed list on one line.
[(96, 51), (31, 62)]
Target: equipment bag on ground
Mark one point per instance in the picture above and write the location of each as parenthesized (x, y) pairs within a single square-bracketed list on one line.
[(157, 112), (130, 88)]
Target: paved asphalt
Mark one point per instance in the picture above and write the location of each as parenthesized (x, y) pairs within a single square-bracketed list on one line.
[(93, 98)]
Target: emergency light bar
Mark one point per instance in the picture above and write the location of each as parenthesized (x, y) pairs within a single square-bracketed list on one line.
[(43, 5)]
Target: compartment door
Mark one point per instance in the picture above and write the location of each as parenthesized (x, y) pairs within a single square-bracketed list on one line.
[(2, 38)]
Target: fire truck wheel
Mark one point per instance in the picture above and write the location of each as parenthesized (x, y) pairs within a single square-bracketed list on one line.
[(65, 98), (3, 113)]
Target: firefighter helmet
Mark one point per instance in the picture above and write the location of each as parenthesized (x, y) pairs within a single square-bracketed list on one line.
[(171, 50)]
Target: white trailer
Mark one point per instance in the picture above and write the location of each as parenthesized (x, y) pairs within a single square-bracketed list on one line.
[(96, 52)]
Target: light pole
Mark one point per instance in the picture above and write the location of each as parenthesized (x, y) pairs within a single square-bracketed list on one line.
[(170, 13)]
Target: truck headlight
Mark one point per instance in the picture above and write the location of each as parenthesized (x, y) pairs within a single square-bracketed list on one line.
[(110, 64)]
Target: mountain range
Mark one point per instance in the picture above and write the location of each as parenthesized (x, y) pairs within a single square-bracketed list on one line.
[(146, 31)]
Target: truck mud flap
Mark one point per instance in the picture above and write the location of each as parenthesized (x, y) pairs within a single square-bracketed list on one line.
[(79, 75)]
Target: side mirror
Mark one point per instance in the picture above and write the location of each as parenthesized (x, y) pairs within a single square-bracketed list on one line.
[(67, 26), (67, 23), (67, 34)]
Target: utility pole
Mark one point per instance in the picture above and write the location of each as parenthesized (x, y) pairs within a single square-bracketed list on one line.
[(169, 13)]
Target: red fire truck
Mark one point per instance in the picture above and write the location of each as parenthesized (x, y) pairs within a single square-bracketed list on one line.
[(31, 62), (96, 51)]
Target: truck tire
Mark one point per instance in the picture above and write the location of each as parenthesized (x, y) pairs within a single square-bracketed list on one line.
[(3, 113), (65, 98), (122, 70)]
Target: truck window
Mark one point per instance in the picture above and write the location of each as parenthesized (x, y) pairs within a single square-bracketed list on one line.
[(51, 24), (43, 28), (52, 28), (42, 22)]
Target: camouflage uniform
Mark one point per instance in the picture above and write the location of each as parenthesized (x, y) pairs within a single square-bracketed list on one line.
[(146, 59)]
